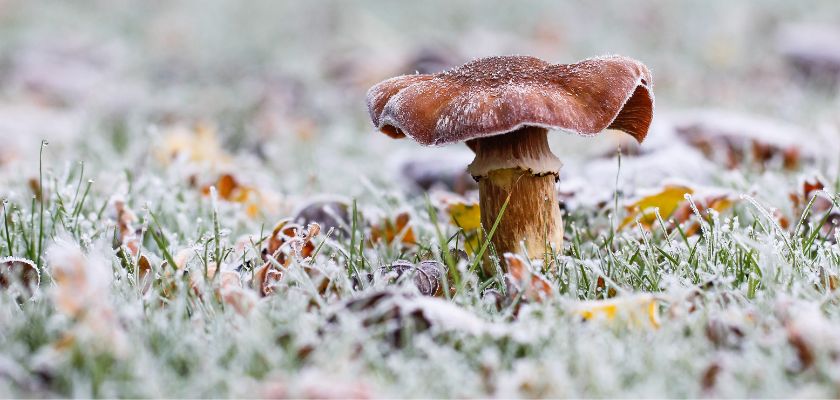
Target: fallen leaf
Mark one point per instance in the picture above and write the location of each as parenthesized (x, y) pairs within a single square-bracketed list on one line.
[(522, 278), (198, 144), (330, 214), (829, 281), (427, 276), (638, 310), (666, 200), (396, 314), (710, 374), (144, 273), (467, 216), (127, 235), (389, 230), (802, 197), (231, 190), (298, 238), (80, 289), (673, 206), (265, 277), (734, 140), (288, 239), (19, 271), (233, 294), (601, 285), (684, 212)]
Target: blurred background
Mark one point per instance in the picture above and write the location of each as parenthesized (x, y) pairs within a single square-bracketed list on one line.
[(281, 85)]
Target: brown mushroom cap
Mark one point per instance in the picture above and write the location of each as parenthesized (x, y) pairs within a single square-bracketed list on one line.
[(495, 95)]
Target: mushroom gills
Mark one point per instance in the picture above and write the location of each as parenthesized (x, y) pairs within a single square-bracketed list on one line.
[(519, 164)]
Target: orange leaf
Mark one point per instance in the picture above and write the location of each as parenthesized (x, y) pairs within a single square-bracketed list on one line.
[(389, 230), (230, 189), (536, 286)]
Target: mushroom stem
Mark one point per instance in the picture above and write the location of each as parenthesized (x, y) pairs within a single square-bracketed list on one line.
[(519, 164)]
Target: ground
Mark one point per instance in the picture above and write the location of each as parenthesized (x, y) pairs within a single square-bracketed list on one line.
[(151, 155)]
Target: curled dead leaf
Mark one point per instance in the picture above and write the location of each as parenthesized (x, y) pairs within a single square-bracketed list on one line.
[(330, 214), (144, 273), (684, 211), (710, 375), (398, 228), (427, 276), (127, 234), (288, 240), (265, 278), (820, 209), (19, 272), (231, 190), (233, 294), (524, 280), (396, 314)]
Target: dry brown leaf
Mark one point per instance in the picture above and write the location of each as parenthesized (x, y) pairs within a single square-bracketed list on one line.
[(388, 230), (298, 238), (144, 273), (126, 233), (684, 212), (230, 189), (287, 240), (535, 286), (734, 144), (427, 276), (265, 278), (802, 197), (21, 271), (233, 294)]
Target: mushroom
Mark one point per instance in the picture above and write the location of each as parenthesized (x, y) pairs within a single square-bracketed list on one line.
[(503, 107)]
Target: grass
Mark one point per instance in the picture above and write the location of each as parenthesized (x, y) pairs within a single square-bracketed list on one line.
[(184, 343)]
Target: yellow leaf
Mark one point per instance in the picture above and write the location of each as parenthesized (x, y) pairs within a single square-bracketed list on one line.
[(199, 144), (465, 216), (667, 200), (638, 310)]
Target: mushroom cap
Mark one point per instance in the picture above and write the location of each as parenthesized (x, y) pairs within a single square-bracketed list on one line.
[(495, 95)]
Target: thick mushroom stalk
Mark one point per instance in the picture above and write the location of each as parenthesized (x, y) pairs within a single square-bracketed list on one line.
[(502, 106), (519, 166)]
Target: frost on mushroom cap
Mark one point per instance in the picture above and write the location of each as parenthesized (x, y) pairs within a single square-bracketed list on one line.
[(495, 95)]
